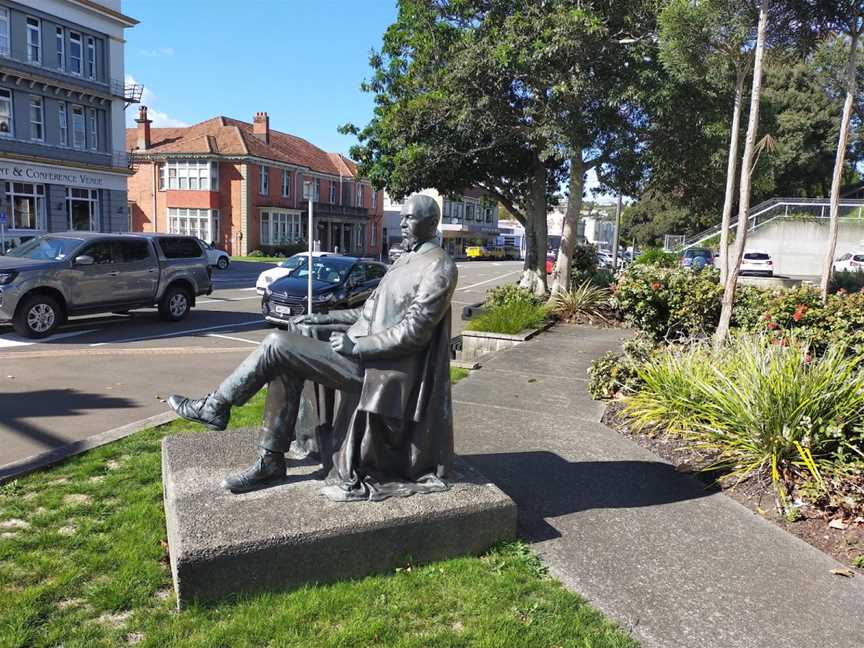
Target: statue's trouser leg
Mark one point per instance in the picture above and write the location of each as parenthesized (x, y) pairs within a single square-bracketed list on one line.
[(285, 360)]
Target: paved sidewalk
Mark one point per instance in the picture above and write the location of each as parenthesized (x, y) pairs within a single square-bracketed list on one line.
[(674, 564)]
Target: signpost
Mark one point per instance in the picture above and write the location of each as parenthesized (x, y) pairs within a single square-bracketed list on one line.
[(4, 219)]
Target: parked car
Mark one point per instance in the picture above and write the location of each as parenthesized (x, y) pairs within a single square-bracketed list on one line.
[(697, 258), (284, 269), (550, 263), (215, 256), (850, 262), (757, 262), (337, 282), (483, 252), (52, 277), (11, 242)]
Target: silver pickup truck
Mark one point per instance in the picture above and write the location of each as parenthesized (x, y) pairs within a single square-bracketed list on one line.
[(51, 277)]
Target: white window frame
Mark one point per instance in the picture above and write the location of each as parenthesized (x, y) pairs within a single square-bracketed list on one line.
[(63, 119), (4, 31), (32, 29), (90, 196), (333, 192), (75, 38), (374, 199), (10, 108), (37, 104), (200, 223), (281, 226), (92, 129), (37, 193), (359, 195), (78, 127), (317, 189), (189, 175), (286, 183), (90, 58), (60, 41), (263, 180)]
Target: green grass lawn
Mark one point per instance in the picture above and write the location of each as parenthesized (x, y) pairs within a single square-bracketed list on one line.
[(84, 563), (263, 259)]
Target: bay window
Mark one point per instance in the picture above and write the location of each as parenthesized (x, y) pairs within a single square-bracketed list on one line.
[(279, 227), (201, 223)]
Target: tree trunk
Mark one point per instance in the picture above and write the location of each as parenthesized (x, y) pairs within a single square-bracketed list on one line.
[(725, 222), (570, 228), (534, 270), (744, 189), (851, 71)]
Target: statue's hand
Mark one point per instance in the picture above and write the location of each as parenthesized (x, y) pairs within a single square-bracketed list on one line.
[(310, 320), (341, 343)]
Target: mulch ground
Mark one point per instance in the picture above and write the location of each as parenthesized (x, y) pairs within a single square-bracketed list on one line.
[(755, 492)]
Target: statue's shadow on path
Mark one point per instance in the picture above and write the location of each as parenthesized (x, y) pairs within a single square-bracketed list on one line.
[(544, 485)]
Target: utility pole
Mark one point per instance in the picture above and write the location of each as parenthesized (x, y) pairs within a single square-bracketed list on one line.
[(616, 233)]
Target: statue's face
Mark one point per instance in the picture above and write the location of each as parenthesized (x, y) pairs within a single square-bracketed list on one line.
[(418, 224)]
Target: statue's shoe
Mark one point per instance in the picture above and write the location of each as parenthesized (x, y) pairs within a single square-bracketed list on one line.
[(267, 469), (208, 410)]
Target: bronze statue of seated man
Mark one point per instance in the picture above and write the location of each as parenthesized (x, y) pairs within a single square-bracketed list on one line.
[(394, 425)]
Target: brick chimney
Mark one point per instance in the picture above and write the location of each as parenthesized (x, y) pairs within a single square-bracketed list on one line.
[(261, 126), (143, 129)]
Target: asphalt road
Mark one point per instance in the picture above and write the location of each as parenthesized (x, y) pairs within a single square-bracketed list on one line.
[(100, 373)]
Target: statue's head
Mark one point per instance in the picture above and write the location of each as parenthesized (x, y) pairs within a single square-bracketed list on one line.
[(419, 220)]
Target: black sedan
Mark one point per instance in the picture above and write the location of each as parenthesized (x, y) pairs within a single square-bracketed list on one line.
[(337, 282)]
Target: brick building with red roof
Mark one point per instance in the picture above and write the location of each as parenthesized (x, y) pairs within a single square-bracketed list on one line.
[(246, 187)]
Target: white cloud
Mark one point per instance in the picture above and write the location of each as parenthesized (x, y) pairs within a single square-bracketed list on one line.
[(159, 51), (148, 98)]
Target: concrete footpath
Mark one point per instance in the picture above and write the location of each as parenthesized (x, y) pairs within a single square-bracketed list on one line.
[(674, 564)]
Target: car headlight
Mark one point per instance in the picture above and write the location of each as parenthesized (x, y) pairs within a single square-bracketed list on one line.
[(7, 277), (323, 299)]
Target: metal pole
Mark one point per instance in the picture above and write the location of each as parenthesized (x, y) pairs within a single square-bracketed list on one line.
[(615, 235), (309, 275)]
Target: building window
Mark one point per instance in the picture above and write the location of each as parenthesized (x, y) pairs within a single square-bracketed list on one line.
[(201, 223), (317, 189), (75, 53), (4, 31), (374, 199), (359, 195), (34, 40), (5, 113), (263, 180), (195, 175), (28, 205), (92, 128), (372, 231), (286, 183), (82, 207), (280, 227), (37, 123), (61, 49), (332, 192), (79, 139), (91, 57), (64, 124)]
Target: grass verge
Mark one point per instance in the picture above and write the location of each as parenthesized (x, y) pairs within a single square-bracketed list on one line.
[(259, 259), (509, 318), (83, 563)]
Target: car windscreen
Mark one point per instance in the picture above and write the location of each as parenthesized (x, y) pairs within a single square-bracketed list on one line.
[(757, 256), (324, 269), (293, 262), (46, 248)]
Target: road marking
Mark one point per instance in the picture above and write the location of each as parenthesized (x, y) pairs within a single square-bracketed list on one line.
[(172, 351), (179, 333), (228, 337), (480, 283), (10, 341)]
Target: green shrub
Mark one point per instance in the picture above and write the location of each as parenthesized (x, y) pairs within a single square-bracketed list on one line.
[(847, 281), (751, 304), (509, 318), (584, 302), (584, 259), (669, 303), (615, 373), (657, 257), (509, 294), (256, 253), (761, 406), (284, 249)]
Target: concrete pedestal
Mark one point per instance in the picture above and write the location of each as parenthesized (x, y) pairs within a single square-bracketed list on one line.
[(286, 535)]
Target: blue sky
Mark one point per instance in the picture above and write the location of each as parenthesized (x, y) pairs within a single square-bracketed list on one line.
[(301, 61)]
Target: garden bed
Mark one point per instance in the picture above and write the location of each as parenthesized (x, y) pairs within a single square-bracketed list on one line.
[(756, 493)]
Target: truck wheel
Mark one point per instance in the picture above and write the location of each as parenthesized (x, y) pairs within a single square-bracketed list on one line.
[(222, 263), (38, 316), (175, 304)]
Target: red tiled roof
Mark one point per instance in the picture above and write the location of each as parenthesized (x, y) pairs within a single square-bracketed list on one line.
[(227, 136)]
